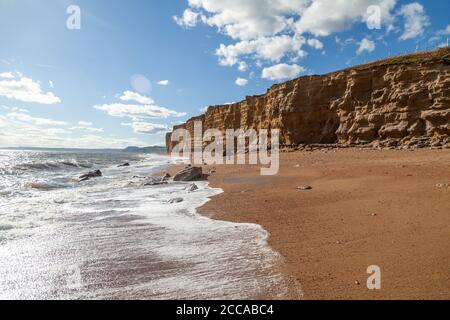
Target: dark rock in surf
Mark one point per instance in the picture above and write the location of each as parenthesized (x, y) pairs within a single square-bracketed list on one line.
[(192, 187), (154, 181), (90, 175), (176, 200), (189, 174), (126, 164)]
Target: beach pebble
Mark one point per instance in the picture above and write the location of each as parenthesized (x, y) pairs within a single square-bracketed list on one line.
[(304, 188), (442, 185), (357, 282)]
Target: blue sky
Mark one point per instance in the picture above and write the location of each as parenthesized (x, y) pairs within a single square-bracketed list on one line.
[(136, 68)]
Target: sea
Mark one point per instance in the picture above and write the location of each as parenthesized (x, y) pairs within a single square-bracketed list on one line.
[(113, 237)]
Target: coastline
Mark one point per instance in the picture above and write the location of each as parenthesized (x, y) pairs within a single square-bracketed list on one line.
[(366, 207)]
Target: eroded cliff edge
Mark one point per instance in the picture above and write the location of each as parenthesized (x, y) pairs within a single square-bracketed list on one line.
[(397, 102)]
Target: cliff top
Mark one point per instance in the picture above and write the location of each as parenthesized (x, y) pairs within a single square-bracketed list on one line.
[(441, 55)]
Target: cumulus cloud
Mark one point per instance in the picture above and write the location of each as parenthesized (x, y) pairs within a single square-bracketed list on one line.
[(134, 96), (243, 66), (268, 31), (241, 82), (365, 45), (26, 90), (147, 128), (27, 131), (415, 20), (245, 19), (267, 48), (7, 75), (282, 71), (316, 44), (189, 19), (25, 117), (138, 111), (163, 82), (325, 17)]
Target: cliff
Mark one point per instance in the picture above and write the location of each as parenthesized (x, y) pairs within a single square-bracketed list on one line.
[(397, 102)]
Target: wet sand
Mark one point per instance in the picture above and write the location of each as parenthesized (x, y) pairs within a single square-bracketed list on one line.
[(366, 207)]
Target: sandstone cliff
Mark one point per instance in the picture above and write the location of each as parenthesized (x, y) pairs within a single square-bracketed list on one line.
[(397, 102)]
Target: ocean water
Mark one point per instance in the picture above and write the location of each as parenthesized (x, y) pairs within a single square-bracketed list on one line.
[(114, 238)]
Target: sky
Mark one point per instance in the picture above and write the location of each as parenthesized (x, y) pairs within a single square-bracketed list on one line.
[(110, 73)]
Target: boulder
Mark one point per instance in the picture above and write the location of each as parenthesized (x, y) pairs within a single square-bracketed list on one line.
[(192, 187), (189, 174), (154, 181), (89, 175), (176, 200)]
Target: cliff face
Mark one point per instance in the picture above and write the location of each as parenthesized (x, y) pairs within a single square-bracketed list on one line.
[(398, 102)]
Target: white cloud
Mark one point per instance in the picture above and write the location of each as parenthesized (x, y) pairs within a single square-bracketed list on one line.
[(316, 44), (134, 96), (147, 128), (89, 129), (7, 75), (50, 83), (246, 19), (241, 82), (267, 48), (85, 123), (415, 20), (325, 17), (138, 111), (269, 31), (26, 131), (243, 66), (25, 117), (252, 19), (282, 71), (163, 82), (26, 90), (365, 45), (444, 32), (189, 19)]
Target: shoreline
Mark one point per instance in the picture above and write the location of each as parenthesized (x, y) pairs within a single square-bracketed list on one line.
[(366, 207)]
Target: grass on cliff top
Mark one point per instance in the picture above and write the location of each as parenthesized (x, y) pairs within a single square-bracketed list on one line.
[(437, 56)]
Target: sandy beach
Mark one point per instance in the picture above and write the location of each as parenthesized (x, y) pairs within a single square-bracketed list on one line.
[(366, 207)]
